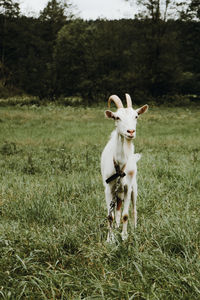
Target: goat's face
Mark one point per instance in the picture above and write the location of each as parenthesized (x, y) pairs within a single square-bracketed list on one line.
[(126, 120)]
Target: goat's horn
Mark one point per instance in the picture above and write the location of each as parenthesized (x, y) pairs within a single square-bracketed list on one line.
[(116, 100), (128, 100)]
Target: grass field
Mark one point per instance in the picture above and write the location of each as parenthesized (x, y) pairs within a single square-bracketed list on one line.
[(52, 207)]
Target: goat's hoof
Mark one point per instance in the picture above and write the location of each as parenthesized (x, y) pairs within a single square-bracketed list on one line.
[(124, 236), (111, 238)]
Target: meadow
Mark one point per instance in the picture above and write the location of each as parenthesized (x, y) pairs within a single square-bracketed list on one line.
[(53, 212)]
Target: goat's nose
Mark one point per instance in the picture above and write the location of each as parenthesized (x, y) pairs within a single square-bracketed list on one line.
[(131, 131)]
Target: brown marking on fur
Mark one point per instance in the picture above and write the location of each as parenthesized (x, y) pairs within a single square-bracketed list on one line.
[(120, 189), (110, 218), (113, 190), (132, 198), (129, 143), (125, 189), (131, 173), (125, 218), (119, 203)]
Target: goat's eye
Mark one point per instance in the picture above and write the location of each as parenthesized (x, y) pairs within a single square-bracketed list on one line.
[(117, 118), (136, 117)]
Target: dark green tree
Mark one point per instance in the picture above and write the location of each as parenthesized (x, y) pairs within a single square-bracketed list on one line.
[(55, 14), (56, 11), (156, 56), (9, 10), (53, 17), (190, 39), (88, 59)]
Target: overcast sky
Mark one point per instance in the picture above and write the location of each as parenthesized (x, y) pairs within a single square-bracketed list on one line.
[(88, 9)]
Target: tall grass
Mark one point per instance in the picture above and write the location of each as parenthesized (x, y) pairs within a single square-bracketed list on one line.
[(52, 207)]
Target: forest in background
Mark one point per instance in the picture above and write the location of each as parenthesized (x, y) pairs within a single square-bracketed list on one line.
[(56, 55)]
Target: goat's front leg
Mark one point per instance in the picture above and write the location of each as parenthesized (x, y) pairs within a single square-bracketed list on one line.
[(127, 199), (120, 197), (134, 201), (108, 194)]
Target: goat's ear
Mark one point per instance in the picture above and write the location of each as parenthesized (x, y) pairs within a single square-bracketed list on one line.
[(142, 109), (110, 115)]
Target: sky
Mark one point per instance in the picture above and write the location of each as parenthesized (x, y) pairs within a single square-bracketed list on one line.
[(87, 9)]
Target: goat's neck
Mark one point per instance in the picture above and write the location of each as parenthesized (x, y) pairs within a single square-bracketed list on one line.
[(123, 149)]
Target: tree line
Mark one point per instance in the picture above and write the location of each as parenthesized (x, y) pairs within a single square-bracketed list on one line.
[(56, 55)]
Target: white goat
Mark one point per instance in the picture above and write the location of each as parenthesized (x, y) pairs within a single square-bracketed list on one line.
[(118, 164)]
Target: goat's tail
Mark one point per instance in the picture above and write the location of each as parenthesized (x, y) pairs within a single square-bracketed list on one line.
[(137, 156)]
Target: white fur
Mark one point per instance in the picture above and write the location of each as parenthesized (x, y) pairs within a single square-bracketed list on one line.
[(121, 149)]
